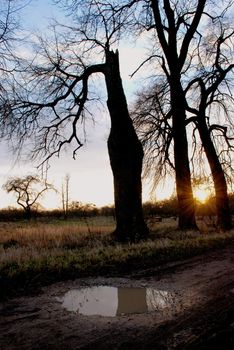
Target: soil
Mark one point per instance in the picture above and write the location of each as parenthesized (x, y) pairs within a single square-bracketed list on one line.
[(199, 313)]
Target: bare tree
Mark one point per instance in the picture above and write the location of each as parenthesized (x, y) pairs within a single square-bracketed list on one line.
[(207, 94), (151, 114), (63, 200), (67, 181), (173, 26), (175, 29), (57, 99), (213, 94), (28, 190), (65, 195), (183, 49)]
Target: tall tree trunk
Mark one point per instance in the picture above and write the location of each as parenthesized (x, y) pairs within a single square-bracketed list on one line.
[(222, 201), (168, 38), (186, 205), (126, 156)]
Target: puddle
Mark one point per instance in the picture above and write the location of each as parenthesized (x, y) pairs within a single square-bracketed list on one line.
[(112, 301)]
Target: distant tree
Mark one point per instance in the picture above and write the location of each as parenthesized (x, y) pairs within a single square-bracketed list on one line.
[(63, 200), (67, 182), (107, 210), (65, 195), (75, 205), (27, 190)]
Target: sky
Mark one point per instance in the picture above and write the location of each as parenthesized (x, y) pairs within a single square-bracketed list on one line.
[(90, 174)]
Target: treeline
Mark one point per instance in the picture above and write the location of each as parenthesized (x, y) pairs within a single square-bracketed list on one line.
[(169, 207), (164, 208)]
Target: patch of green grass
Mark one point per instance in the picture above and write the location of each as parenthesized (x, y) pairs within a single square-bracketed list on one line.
[(43, 254)]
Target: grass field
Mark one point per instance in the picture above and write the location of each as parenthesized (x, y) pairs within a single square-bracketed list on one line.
[(37, 253)]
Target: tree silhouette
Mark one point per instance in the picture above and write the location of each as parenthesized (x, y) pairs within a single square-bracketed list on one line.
[(63, 78), (57, 99), (207, 96), (65, 195), (28, 190), (211, 89), (168, 28)]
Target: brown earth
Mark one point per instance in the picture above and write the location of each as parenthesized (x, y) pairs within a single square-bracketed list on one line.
[(198, 312)]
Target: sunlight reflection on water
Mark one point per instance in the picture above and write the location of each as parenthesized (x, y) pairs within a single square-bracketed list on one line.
[(112, 301)]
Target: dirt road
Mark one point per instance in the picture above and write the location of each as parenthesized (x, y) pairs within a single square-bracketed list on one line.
[(183, 305)]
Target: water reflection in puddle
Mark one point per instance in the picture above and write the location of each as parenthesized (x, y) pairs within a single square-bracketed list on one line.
[(112, 301)]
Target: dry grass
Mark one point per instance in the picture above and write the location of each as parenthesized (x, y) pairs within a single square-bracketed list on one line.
[(51, 251), (56, 234), (24, 242)]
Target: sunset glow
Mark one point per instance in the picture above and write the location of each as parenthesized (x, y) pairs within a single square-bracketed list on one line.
[(201, 194)]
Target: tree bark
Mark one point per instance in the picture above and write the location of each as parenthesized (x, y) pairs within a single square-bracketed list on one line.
[(126, 156), (175, 63), (186, 207), (220, 185)]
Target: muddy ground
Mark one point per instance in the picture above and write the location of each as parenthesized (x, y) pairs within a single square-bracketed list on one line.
[(197, 311)]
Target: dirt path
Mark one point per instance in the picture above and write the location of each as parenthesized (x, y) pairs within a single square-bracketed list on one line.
[(185, 305)]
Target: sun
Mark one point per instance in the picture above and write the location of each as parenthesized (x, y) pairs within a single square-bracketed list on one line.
[(201, 194)]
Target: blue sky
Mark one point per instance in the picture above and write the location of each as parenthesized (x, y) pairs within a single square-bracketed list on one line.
[(38, 13)]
